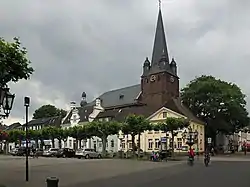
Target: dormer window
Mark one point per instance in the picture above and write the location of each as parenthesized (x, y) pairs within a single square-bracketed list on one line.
[(121, 96)]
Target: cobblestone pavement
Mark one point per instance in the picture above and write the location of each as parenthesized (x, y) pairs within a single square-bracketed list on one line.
[(218, 174), (95, 173), (69, 171)]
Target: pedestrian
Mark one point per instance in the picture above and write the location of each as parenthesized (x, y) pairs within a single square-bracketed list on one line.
[(197, 152)]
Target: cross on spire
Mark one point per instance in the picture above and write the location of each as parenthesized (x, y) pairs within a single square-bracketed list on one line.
[(159, 4)]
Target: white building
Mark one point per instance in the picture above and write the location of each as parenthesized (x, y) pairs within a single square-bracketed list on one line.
[(86, 114)]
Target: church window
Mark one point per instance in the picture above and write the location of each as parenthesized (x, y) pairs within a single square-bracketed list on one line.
[(158, 77), (121, 96), (146, 80)]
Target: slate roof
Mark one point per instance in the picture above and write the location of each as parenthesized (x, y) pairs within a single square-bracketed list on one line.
[(13, 126), (121, 114), (119, 97), (173, 104), (50, 121)]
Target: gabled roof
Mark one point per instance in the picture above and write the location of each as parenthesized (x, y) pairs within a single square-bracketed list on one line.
[(119, 97), (84, 113)]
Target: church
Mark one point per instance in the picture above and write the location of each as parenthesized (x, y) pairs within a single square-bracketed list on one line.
[(156, 95)]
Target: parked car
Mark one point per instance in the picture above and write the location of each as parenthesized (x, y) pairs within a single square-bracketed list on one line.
[(87, 153), (21, 151), (50, 152), (65, 152), (13, 151), (39, 152)]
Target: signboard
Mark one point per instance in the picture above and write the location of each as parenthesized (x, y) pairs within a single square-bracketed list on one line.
[(163, 139), (209, 140)]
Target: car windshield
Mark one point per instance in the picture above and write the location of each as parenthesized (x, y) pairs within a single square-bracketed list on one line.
[(79, 150)]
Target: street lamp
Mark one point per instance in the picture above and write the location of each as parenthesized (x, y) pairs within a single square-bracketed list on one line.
[(6, 101), (27, 104)]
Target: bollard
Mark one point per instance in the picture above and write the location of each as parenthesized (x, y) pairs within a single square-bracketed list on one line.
[(52, 182)]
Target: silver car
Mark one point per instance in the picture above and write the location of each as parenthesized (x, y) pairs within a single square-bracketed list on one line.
[(87, 153), (13, 151), (51, 152)]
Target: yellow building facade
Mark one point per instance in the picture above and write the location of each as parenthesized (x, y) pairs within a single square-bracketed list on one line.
[(150, 140)]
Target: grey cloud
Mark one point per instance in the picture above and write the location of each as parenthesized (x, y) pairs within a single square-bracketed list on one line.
[(99, 45)]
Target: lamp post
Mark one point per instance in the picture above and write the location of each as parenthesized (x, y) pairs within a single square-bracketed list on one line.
[(191, 137), (6, 101), (26, 104)]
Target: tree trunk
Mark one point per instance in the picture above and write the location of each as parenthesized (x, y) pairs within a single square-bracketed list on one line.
[(139, 145), (172, 137), (133, 144), (53, 142), (104, 143), (60, 143), (80, 143), (37, 144), (64, 142)]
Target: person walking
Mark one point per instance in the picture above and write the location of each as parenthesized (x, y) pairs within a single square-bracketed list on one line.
[(197, 152)]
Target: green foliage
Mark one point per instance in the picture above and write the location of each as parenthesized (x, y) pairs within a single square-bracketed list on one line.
[(135, 124), (80, 132), (103, 129), (172, 124), (48, 111), (218, 103), (16, 135), (14, 64)]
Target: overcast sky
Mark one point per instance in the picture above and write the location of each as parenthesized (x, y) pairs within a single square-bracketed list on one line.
[(98, 45)]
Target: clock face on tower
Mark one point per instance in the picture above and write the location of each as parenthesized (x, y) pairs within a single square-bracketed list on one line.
[(152, 78), (172, 79)]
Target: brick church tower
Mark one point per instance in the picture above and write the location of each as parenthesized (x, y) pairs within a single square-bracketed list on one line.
[(159, 81)]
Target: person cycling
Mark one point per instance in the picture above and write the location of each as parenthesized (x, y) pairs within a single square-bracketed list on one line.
[(207, 155), (191, 153)]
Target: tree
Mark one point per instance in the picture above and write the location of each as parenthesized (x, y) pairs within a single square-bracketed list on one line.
[(79, 133), (34, 135), (103, 129), (65, 136), (135, 125), (142, 125), (171, 125), (48, 111), (59, 135), (14, 64), (218, 103), (16, 136)]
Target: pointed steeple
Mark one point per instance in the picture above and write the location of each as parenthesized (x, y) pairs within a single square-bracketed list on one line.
[(160, 44)]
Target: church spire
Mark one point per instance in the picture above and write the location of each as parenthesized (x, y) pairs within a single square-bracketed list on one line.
[(160, 44)]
